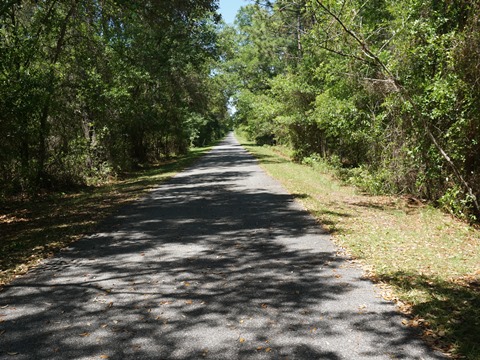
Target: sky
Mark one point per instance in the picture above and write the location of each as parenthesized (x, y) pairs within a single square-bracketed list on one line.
[(229, 8)]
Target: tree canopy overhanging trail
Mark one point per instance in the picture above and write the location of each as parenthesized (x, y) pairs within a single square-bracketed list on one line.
[(383, 94), (385, 90), (219, 262), (90, 89)]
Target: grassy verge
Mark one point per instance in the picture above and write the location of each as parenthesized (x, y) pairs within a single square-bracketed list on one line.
[(426, 261), (34, 230)]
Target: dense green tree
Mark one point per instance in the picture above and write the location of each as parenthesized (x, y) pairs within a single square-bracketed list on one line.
[(89, 87), (387, 89)]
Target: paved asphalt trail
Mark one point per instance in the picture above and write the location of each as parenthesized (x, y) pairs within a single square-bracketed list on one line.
[(218, 263)]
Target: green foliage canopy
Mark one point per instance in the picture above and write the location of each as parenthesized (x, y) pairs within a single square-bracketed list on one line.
[(389, 89), (90, 87)]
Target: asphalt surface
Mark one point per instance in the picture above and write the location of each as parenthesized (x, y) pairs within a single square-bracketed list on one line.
[(218, 263)]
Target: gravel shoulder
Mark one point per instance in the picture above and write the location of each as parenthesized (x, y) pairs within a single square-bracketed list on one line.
[(220, 262)]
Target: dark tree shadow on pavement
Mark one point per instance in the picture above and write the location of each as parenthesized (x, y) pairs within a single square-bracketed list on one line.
[(213, 264)]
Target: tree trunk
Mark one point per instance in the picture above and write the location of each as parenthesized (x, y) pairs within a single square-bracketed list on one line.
[(50, 90)]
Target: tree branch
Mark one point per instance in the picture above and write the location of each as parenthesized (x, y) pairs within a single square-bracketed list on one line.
[(8, 5), (362, 44), (404, 93), (344, 54)]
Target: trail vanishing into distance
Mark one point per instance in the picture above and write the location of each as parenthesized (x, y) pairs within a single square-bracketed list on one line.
[(367, 110), (217, 263)]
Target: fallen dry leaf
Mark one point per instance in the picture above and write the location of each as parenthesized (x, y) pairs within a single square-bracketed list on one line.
[(362, 309), (85, 334), (12, 353), (241, 340), (104, 356), (268, 349)]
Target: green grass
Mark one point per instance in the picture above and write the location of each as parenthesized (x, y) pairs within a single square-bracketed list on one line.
[(422, 258), (34, 230)]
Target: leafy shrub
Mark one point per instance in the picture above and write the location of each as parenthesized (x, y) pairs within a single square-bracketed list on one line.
[(458, 203)]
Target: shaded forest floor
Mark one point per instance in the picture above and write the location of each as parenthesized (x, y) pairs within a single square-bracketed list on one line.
[(423, 259), (34, 229)]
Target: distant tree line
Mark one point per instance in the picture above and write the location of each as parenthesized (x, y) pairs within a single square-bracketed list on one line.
[(92, 87), (387, 90)]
